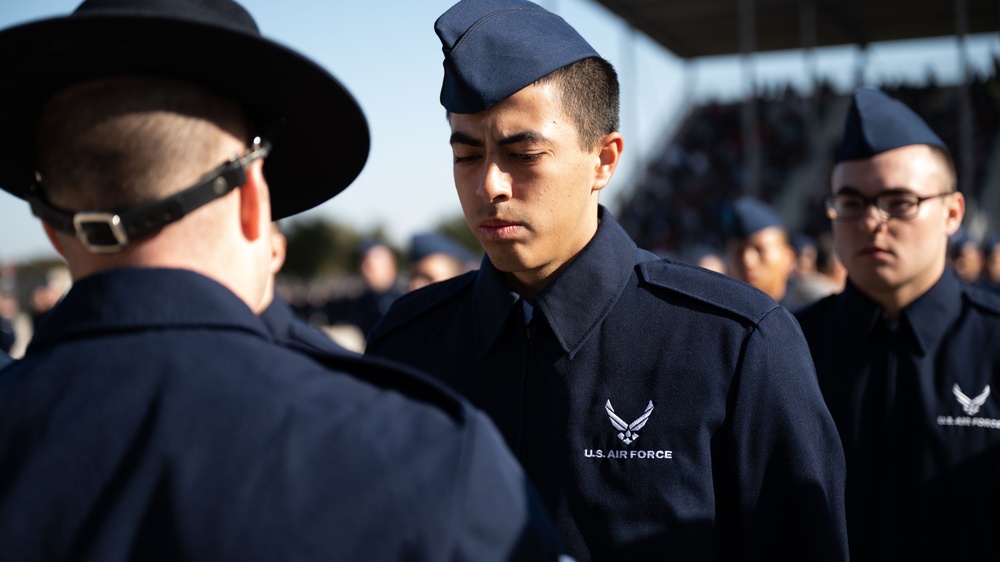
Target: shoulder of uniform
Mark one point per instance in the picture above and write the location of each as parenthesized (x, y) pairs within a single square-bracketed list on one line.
[(721, 292), (390, 375), (416, 304), (983, 299)]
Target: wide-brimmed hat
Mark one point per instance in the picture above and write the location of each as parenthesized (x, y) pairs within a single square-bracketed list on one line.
[(318, 134)]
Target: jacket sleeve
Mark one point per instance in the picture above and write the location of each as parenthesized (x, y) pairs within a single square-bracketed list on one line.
[(783, 454), (497, 514)]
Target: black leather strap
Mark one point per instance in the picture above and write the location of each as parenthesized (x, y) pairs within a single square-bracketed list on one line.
[(104, 232)]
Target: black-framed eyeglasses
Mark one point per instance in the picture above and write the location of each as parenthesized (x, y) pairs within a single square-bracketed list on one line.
[(890, 204)]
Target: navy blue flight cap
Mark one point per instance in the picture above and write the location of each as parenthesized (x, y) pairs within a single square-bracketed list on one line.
[(495, 48), (877, 123), (429, 243), (749, 215)]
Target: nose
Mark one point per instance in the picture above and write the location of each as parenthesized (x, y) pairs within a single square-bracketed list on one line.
[(873, 218), (495, 185), (747, 259)]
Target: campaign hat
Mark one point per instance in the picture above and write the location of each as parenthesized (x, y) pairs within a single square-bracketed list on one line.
[(493, 49), (877, 123), (318, 134)]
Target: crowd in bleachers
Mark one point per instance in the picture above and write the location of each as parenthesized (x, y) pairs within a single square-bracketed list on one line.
[(678, 208)]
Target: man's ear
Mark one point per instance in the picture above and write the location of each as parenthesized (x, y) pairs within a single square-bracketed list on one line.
[(610, 153), (53, 237), (955, 207), (255, 202)]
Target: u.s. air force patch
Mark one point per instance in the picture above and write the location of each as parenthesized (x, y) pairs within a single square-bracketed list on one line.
[(628, 433), (971, 407)]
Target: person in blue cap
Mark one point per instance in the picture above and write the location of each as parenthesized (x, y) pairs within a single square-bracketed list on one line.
[(663, 411), (965, 257), (154, 416), (990, 278), (759, 249), (908, 357), (435, 257), (379, 272)]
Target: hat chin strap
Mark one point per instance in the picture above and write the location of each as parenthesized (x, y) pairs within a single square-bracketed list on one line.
[(103, 232)]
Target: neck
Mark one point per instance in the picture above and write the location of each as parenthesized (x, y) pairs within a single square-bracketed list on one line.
[(894, 300)]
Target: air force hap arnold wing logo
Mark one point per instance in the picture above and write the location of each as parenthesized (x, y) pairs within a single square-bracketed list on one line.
[(628, 433), (971, 405), (971, 408)]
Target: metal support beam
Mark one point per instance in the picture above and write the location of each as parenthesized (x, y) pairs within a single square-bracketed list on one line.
[(751, 140)]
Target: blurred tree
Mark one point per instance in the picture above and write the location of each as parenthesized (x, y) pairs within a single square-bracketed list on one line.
[(320, 248)]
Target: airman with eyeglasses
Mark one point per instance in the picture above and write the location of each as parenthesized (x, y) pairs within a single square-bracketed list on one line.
[(898, 252), (907, 354)]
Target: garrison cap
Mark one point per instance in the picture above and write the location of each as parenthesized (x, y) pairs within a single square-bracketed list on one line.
[(801, 241), (877, 123), (429, 243), (747, 215), (494, 48)]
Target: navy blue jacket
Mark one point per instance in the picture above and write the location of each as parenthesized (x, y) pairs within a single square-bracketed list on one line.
[(5, 359), (153, 418), (291, 331), (7, 336), (663, 411), (918, 409)]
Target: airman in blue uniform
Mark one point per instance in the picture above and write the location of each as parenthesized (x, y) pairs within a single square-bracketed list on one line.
[(908, 357), (663, 411), (154, 416), (759, 248), (435, 257)]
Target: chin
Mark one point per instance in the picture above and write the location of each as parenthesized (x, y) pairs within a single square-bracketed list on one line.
[(505, 258), (874, 279)]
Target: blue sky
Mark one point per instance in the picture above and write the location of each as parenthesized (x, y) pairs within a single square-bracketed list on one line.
[(386, 53)]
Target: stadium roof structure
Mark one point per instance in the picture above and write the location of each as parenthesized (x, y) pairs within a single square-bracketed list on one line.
[(701, 28)]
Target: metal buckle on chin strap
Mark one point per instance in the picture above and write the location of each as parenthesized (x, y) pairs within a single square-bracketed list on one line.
[(100, 233)]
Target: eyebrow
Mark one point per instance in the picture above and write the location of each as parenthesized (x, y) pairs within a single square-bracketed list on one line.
[(526, 136), (851, 190)]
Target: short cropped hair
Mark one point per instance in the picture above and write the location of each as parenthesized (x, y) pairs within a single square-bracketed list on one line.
[(590, 96), (948, 164), (115, 143)]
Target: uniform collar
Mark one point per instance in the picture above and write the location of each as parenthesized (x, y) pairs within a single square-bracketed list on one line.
[(277, 316), (926, 318), (138, 299), (574, 303), (931, 315)]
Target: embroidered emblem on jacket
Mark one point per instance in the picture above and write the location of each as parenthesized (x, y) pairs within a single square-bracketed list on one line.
[(970, 405), (628, 431)]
